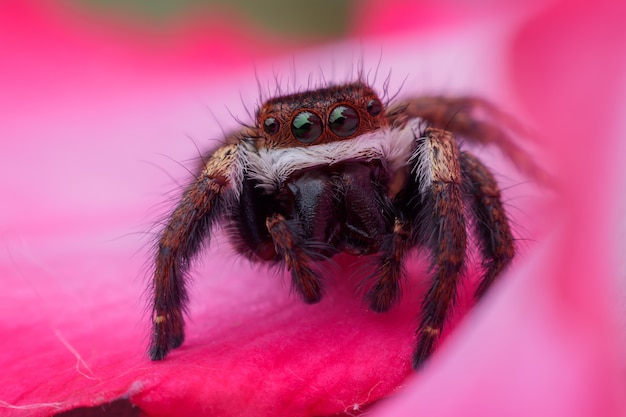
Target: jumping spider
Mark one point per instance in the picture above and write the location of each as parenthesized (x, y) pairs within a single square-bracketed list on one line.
[(335, 170)]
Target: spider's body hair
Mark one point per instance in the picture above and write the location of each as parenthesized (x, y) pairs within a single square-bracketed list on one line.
[(393, 146), (335, 170)]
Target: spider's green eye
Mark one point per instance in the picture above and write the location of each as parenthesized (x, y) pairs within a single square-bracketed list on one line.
[(343, 120), (306, 127), (271, 126), (374, 107)]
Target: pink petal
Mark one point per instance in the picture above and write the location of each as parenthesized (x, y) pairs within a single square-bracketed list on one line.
[(84, 109)]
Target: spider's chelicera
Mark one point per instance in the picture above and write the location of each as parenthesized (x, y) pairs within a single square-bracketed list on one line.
[(335, 170)]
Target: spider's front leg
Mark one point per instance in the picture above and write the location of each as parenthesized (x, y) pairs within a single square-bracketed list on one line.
[(187, 227), (440, 226)]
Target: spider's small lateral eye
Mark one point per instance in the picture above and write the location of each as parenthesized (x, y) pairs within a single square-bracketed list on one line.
[(271, 126), (306, 127), (374, 107), (343, 120)]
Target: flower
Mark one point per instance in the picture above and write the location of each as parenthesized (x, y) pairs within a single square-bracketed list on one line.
[(84, 105)]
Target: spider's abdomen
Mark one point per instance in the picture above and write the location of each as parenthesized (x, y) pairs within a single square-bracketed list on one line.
[(331, 209)]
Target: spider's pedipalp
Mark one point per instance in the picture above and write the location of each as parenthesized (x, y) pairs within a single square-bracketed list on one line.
[(290, 246), (187, 227), (390, 268)]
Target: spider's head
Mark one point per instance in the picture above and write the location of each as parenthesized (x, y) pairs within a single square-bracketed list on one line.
[(320, 116)]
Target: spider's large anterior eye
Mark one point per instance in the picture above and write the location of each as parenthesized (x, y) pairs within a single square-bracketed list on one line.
[(271, 126), (306, 127), (343, 120), (374, 107)]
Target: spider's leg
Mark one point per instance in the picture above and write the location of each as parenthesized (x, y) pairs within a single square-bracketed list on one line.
[(490, 219), (386, 291), (475, 119), (291, 246), (441, 229), (187, 227)]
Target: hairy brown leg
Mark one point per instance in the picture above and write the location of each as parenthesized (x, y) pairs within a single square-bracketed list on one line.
[(187, 227), (475, 119), (491, 223), (443, 231), (390, 269), (291, 247)]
